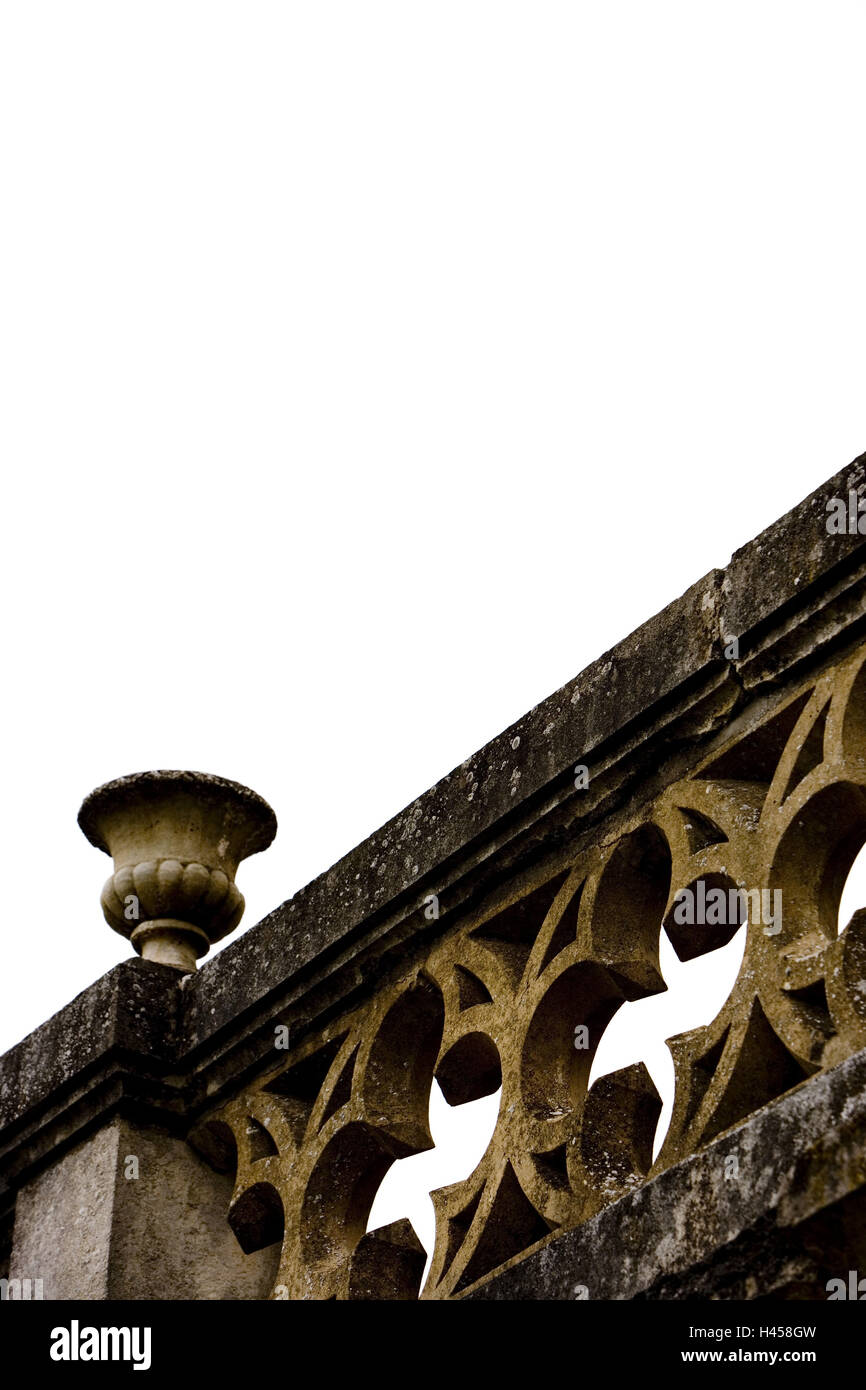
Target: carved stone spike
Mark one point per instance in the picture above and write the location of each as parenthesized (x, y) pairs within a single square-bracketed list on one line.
[(176, 839)]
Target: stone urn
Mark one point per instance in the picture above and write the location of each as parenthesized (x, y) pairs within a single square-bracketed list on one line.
[(176, 839)]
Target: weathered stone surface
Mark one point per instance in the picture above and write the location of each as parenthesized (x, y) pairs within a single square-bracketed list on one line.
[(698, 755), (70, 1252), (672, 668), (414, 853), (127, 1019), (134, 1214), (796, 588), (110, 1048), (176, 839), (521, 990), (696, 1231)]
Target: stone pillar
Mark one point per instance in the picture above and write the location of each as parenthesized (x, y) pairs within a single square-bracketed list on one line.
[(133, 1212), (104, 1196)]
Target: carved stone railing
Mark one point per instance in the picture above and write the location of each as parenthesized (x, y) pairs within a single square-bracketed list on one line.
[(778, 809), (708, 772)]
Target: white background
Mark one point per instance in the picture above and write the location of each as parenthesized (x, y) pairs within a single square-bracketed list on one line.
[(370, 368)]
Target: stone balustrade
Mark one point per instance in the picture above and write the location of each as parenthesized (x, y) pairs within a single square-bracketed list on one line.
[(707, 774)]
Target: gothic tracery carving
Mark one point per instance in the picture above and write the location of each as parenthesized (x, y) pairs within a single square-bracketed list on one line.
[(521, 993)]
